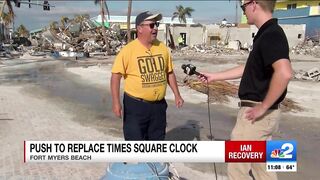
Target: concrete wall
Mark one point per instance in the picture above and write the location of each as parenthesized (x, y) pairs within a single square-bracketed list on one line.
[(311, 22), (214, 34), (293, 32), (226, 34), (302, 16), (194, 35), (246, 34), (162, 33)]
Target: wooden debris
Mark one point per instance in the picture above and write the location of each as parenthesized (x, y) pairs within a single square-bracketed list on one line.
[(220, 90)]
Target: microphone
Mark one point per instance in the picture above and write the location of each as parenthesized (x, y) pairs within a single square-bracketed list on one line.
[(190, 70)]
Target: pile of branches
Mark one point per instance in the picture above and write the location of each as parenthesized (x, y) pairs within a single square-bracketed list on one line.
[(220, 90)]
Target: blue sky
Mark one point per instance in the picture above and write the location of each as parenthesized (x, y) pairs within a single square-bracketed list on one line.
[(205, 11)]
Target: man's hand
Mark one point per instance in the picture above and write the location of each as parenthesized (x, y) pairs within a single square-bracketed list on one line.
[(205, 77), (255, 113), (179, 102), (233, 73), (115, 88), (172, 81), (117, 109)]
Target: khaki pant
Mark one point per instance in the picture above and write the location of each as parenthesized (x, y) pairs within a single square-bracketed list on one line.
[(262, 129)]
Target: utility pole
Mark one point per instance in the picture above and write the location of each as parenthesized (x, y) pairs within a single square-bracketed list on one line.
[(3, 3), (129, 21), (237, 20)]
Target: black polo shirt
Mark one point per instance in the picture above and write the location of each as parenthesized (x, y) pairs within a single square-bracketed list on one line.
[(269, 45)]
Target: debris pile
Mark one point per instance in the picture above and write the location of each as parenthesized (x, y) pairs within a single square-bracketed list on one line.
[(80, 37), (202, 50), (219, 92), (312, 74), (307, 48), (7, 51)]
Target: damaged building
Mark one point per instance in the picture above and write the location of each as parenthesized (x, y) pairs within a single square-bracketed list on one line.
[(87, 36)]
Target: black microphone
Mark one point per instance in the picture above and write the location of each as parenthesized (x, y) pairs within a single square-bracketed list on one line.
[(190, 70)]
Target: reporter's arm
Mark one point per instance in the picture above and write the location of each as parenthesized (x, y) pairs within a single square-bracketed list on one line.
[(279, 82), (232, 73)]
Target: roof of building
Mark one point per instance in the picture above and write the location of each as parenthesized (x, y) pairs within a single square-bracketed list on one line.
[(36, 30)]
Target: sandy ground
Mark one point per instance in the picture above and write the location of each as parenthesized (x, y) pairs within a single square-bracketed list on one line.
[(29, 113), (305, 93), (25, 117), (32, 114)]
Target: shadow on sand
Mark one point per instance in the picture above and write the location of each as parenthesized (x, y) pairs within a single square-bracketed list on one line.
[(187, 132)]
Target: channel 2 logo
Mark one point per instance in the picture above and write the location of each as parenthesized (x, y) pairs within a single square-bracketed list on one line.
[(281, 151)]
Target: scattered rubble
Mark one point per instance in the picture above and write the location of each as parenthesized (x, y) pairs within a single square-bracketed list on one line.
[(312, 74), (8, 52), (75, 40), (219, 92), (307, 48), (84, 37), (202, 50)]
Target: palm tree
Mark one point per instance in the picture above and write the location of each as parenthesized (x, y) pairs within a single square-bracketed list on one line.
[(181, 13), (8, 17), (9, 5), (80, 18), (54, 26), (103, 9), (128, 21), (7, 20), (22, 31), (63, 21), (86, 16)]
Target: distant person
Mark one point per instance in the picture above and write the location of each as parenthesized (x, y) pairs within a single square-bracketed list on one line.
[(146, 66), (224, 22), (180, 41), (263, 85)]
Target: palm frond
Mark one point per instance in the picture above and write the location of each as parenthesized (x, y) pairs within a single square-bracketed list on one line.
[(181, 13), (10, 8)]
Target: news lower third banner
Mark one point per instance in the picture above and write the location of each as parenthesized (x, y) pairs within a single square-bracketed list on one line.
[(278, 155)]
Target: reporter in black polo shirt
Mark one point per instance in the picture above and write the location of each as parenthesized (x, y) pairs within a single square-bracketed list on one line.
[(263, 86)]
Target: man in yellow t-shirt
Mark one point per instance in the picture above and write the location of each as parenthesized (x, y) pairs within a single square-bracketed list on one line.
[(146, 66)]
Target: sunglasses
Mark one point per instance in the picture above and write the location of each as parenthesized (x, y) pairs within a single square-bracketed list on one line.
[(151, 25), (243, 6)]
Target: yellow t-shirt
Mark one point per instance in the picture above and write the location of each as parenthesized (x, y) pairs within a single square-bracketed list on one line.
[(144, 70)]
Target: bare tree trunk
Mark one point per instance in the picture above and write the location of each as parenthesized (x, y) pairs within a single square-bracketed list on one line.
[(2, 37), (2, 7), (128, 21), (104, 28)]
